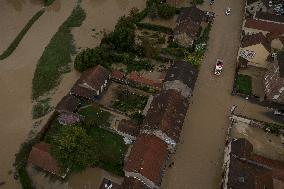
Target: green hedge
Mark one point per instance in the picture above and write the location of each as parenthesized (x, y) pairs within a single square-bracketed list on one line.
[(154, 27), (244, 84), (20, 36)]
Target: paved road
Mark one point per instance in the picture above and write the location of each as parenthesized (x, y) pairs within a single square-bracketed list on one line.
[(199, 157)]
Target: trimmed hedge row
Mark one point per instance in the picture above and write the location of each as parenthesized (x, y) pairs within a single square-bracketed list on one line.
[(154, 27)]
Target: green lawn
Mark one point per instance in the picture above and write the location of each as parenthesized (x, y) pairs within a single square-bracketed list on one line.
[(56, 56), (94, 116), (127, 102), (244, 84), (112, 150)]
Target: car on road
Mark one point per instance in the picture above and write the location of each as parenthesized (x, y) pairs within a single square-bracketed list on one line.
[(228, 11), (218, 67)]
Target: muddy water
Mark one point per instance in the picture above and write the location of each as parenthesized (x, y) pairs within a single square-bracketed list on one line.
[(14, 15), (16, 73), (102, 15)]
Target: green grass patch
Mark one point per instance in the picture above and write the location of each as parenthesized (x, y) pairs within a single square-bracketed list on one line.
[(20, 36), (56, 56), (112, 150), (41, 108), (128, 102), (244, 84), (94, 116)]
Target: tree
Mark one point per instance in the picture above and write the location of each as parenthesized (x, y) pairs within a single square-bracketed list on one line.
[(194, 58), (152, 11), (73, 148), (150, 49), (166, 11)]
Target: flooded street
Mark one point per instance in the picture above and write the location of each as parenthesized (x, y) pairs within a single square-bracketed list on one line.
[(199, 156), (16, 73)]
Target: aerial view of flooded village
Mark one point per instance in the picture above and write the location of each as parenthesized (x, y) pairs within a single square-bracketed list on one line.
[(142, 94)]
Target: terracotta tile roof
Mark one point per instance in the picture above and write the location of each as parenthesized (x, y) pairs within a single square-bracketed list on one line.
[(83, 92), (94, 77), (254, 39), (40, 156), (134, 77), (264, 26), (277, 167), (68, 103), (183, 72), (148, 157), (117, 74), (132, 183), (241, 147), (166, 113), (244, 175), (68, 118), (191, 13), (269, 17), (128, 127)]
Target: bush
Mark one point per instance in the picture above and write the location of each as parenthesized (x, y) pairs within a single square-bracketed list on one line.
[(137, 118), (20, 36), (243, 84), (48, 2), (41, 108), (194, 58), (89, 58), (24, 179), (198, 2), (154, 27), (273, 128), (166, 11)]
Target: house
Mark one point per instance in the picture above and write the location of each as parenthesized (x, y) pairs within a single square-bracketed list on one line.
[(128, 129), (68, 118), (239, 172), (165, 116), (147, 160), (254, 25), (132, 183), (118, 76), (274, 80), (135, 78), (40, 157), (91, 83), (181, 76), (255, 49), (68, 103), (189, 25)]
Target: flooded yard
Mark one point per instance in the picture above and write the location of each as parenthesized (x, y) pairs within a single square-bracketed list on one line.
[(264, 143)]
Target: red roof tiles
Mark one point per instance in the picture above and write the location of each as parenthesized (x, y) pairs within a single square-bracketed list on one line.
[(40, 156), (134, 77), (264, 26), (148, 157), (117, 74)]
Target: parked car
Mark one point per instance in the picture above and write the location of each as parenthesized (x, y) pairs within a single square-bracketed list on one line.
[(279, 112), (228, 11)]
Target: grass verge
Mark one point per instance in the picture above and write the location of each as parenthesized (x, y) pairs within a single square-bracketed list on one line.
[(20, 36), (244, 84), (56, 56)]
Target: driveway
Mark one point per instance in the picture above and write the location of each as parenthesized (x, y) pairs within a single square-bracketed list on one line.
[(199, 156)]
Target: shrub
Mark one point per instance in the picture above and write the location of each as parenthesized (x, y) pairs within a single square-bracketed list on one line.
[(154, 27), (273, 128), (166, 11), (137, 118), (24, 179), (48, 2), (41, 108), (194, 58), (243, 84), (198, 2)]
